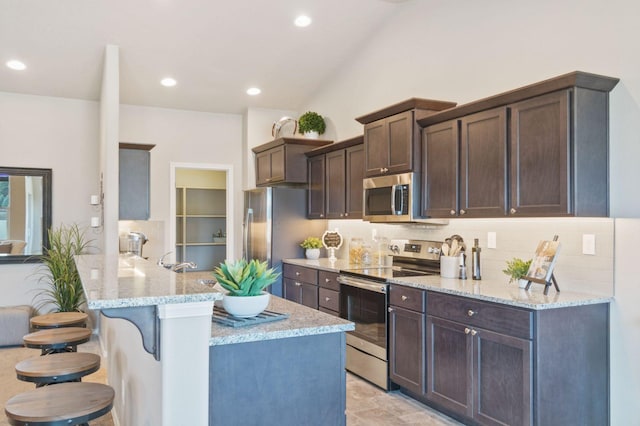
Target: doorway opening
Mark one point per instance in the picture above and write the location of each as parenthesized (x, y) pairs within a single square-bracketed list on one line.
[(202, 214)]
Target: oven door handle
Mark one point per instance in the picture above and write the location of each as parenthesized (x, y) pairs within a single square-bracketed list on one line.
[(363, 284)]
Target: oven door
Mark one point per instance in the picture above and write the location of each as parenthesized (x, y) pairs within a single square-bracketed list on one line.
[(364, 303)]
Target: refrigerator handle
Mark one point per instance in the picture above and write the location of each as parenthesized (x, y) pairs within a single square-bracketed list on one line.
[(248, 219)]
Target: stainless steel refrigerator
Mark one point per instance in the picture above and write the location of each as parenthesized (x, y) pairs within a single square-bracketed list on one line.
[(275, 223)]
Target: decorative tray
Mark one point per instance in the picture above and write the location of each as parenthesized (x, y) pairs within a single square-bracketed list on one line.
[(223, 317)]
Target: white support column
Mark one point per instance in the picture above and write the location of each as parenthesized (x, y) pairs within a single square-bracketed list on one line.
[(184, 342)]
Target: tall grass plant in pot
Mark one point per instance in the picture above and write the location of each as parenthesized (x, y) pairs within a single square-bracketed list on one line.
[(58, 271), (245, 282)]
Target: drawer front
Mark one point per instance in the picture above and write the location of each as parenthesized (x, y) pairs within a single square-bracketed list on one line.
[(329, 311), (490, 316), (329, 299), (300, 273), (407, 297), (328, 280)]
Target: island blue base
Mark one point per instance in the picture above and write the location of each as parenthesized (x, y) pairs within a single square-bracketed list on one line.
[(291, 381)]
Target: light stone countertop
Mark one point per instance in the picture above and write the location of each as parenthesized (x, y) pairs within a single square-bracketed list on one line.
[(122, 281), (498, 291), (302, 321)]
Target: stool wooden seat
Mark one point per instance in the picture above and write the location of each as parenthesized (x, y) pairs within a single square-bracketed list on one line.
[(56, 340), (58, 320), (63, 404), (57, 368)]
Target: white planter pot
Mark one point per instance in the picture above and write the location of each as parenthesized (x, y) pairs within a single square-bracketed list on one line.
[(245, 306), (311, 135), (312, 253)]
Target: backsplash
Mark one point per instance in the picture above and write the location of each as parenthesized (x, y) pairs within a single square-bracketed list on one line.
[(515, 237)]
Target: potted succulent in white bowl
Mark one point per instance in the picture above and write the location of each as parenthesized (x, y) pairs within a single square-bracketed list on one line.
[(517, 269), (312, 247), (311, 125), (245, 282)]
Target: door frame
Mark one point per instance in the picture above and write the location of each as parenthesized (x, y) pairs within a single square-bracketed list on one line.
[(228, 168)]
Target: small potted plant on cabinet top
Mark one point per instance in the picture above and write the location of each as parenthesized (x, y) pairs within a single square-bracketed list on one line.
[(312, 247), (245, 282), (517, 269), (311, 125)]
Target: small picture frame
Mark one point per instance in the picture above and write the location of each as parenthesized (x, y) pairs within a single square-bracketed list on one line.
[(544, 260)]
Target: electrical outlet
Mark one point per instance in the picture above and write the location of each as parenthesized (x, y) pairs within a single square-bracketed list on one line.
[(589, 244), (491, 240)]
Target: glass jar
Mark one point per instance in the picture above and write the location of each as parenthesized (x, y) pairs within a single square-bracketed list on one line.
[(367, 254), (380, 251), (355, 250)]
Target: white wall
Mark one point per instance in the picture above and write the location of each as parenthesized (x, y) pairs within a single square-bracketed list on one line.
[(184, 137), (466, 50), (56, 133)]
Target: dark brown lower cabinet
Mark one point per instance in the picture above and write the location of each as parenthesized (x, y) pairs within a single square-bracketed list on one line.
[(406, 348), (479, 374), (301, 292)]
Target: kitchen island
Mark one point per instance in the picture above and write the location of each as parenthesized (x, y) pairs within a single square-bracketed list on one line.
[(169, 365)]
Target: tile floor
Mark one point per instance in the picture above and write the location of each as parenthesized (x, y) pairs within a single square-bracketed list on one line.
[(368, 405)]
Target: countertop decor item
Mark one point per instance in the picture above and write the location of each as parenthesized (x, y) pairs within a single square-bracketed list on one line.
[(516, 270), (58, 271), (245, 282), (312, 247), (311, 122)]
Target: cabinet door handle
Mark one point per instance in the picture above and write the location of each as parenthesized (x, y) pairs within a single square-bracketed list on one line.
[(471, 312), (404, 298), (463, 211), (326, 299), (297, 284), (341, 214), (321, 215), (467, 330), (390, 309), (473, 332), (346, 214), (513, 211), (452, 212), (326, 280), (297, 273)]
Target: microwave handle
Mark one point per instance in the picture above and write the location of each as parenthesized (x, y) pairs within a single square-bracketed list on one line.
[(394, 191)]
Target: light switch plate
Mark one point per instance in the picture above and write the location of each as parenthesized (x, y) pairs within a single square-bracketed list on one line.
[(491, 240), (588, 244)]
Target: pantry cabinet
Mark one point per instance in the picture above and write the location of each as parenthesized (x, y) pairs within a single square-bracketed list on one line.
[(541, 150)]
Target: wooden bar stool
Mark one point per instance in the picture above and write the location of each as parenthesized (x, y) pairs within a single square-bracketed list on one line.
[(56, 340), (57, 368), (58, 320), (63, 404)]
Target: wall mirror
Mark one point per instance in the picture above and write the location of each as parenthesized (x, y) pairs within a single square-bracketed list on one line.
[(25, 213)]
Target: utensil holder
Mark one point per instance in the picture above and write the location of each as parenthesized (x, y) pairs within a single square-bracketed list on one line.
[(450, 266)]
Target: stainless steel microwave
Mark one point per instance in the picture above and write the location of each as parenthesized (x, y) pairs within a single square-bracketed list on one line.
[(393, 198)]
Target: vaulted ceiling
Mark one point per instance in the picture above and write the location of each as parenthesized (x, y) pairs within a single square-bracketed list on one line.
[(215, 49)]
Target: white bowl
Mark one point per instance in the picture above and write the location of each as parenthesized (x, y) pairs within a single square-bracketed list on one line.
[(245, 306)]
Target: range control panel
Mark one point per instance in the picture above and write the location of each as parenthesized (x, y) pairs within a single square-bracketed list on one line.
[(417, 249)]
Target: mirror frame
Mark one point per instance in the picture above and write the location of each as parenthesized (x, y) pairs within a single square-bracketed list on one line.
[(46, 175)]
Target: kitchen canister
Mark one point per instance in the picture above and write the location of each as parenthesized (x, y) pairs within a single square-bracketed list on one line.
[(450, 266)]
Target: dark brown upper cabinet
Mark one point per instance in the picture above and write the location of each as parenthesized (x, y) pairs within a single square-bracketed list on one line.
[(282, 161), (541, 150), (392, 137), (335, 180)]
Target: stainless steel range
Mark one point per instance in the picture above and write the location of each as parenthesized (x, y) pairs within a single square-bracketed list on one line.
[(363, 300)]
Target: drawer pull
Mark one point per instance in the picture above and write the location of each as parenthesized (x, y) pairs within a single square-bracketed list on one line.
[(467, 330), (326, 299), (326, 280), (297, 284), (473, 332), (297, 273), (404, 297), (471, 312), (390, 309)]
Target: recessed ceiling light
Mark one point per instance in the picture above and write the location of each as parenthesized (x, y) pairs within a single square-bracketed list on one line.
[(302, 21), (253, 91), (168, 82), (14, 64)]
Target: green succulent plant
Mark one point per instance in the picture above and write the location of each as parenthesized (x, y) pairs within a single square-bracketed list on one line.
[(311, 122), (311, 243), (242, 278), (517, 268)]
